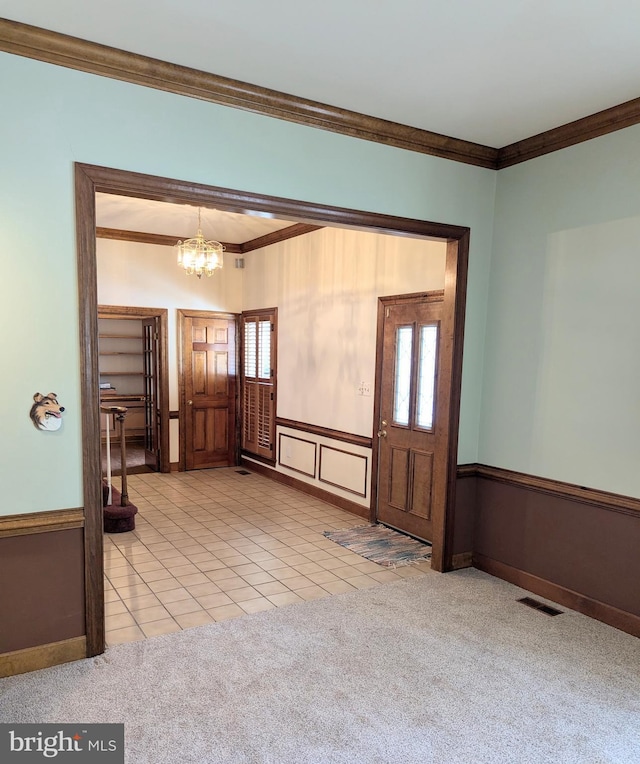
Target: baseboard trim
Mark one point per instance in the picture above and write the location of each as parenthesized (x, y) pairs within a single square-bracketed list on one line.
[(608, 614), (310, 490), (41, 522), (462, 560), (42, 656), (174, 467)]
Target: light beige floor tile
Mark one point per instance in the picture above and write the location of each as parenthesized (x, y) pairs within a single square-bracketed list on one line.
[(368, 567), (138, 603), (258, 578), (164, 585), (312, 593), (323, 577), (119, 621), (338, 587), (182, 570), (113, 608), (122, 636), (111, 595), (198, 590), (243, 594), (137, 590), (193, 578), (282, 574), (209, 601), (155, 575), (275, 587), (242, 570), (273, 565), (257, 605), (156, 628), (147, 614), (189, 620), (183, 606), (207, 566), (225, 612), (145, 567), (173, 595), (362, 581), (221, 575), (229, 584), (299, 582), (308, 567), (286, 598)]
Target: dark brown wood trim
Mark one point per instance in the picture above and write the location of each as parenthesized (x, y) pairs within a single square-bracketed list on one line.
[(64, 50), (41, 522), (257, 457), (325, 432), (174, 414), (174, 467), (290, 232), (307, 488), (162, 314), (90, 413), (302, 440), (612, 501), (466, 470), (43, 656), (462, 560), (619, 619), (455, 303), (603, 122), (139, 237), (362, 493)]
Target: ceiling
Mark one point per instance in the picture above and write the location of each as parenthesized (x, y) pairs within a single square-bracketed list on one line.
[(492, 72), (129, 213)]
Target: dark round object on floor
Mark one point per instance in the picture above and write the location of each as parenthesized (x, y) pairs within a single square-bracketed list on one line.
[(119, 519)]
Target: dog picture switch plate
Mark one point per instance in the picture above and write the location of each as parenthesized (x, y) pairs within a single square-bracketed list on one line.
[(46, 412)]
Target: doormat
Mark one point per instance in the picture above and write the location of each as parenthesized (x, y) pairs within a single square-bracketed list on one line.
[(382, 545)]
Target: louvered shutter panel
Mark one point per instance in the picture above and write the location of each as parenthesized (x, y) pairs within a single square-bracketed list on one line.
[(258, 415)]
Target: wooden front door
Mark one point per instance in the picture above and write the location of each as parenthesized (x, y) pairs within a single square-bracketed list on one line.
[(412, 461), (208, 410)]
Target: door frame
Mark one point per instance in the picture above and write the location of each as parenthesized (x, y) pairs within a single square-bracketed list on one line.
[(90, 179), (182, 404), (162, 314)]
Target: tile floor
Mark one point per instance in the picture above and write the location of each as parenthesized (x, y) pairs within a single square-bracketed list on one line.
[(214, 544)]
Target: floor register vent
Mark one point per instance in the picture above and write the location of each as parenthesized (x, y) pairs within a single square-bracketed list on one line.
[(546, 609)]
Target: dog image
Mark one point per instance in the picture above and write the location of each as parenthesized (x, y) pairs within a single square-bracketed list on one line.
[(46, 412)]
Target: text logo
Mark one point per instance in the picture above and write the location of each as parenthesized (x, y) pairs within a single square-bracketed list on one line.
[(62, 743)]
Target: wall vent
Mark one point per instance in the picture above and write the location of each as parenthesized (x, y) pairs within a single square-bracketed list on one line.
[(243, 472), (537, 605)]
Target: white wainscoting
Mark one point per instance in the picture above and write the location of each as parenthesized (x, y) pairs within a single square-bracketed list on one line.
[(343, 469)]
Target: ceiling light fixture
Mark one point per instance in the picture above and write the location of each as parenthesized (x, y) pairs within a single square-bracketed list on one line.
[(198, 256)]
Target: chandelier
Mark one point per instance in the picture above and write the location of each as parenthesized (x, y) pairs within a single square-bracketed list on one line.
[(198, 256)]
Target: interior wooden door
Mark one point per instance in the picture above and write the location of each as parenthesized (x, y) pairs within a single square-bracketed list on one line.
[(152, 411), (208, 413), (412, 466)]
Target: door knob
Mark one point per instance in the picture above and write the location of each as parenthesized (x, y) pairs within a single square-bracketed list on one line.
[(382, 433), (190, 403)]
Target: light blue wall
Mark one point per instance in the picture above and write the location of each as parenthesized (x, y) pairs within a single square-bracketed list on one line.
[(562, 365), (53, 117)]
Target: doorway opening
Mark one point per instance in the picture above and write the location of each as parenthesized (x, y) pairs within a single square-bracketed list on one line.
[(91, 179), (133, 372)]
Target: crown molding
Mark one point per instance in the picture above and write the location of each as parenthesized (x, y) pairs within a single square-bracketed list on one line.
[(75, 53), (603, 122), (72, 52)]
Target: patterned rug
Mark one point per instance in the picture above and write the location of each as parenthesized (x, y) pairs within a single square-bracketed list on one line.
[(381, 545)]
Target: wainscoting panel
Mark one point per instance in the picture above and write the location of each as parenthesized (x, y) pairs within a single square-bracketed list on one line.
[(333, 462), (343, 469), (574, 545), (297, 454), (42, 597)]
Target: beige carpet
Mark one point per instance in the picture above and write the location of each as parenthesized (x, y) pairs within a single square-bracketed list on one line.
[(440, 670)]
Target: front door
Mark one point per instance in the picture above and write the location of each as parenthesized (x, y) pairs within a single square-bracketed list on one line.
[(208, 411), (412, 461)]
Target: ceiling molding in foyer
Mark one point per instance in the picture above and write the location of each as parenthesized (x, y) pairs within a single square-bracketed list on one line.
[(75, 53)]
